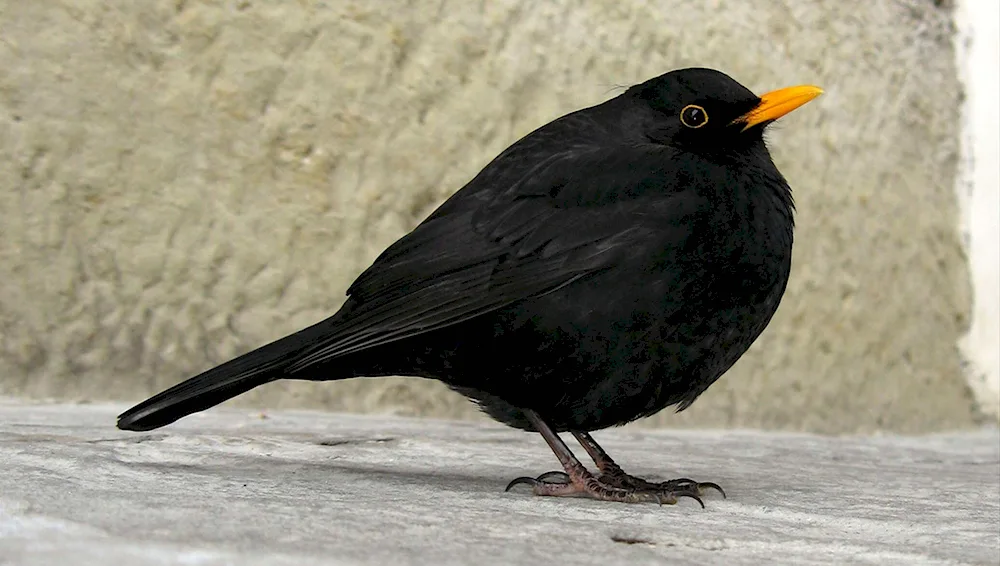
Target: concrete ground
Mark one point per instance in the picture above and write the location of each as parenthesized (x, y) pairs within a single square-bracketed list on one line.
[(232, 487)]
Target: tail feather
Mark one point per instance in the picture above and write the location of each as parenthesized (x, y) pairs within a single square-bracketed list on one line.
[(237, 376)]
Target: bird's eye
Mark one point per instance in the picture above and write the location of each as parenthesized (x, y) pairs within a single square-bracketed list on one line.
[(694, 116)]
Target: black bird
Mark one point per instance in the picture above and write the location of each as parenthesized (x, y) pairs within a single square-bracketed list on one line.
[(614, 262)]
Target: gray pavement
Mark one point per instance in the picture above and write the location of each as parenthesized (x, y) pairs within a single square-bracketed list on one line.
[(237, 487)]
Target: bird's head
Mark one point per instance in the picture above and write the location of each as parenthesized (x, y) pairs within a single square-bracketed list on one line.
[(706, 110)]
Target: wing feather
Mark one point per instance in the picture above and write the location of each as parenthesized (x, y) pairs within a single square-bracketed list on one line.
[(576, 214)]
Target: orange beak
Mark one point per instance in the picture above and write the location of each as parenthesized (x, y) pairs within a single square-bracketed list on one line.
[(777, 103)]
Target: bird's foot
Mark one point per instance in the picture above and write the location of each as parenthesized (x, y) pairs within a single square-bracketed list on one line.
[(613, 475), (581, 483), (617, 478)]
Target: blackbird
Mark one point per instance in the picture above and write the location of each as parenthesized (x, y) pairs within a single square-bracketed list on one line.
[(613, 262)]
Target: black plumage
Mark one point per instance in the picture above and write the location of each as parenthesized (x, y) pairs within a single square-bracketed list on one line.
[(612, 263)]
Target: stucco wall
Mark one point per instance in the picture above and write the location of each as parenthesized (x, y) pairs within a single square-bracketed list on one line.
[(186, 180)]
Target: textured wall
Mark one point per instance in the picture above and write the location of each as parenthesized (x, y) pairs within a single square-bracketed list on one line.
[(186, 180)]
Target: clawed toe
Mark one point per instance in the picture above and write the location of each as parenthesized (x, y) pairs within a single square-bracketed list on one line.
[(521, 480), (687, 484), (702, 486), (665, 494), (554, 477), (673, 495), (679, 486), (561, 484)]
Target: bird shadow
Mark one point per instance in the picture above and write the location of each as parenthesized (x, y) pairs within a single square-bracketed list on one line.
[(285, 471)]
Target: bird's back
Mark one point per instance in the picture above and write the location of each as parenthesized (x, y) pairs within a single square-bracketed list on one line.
[(697, 275)]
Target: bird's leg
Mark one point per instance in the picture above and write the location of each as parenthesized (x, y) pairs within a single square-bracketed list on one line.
[(610, 471), (577, 481), (612, 474)]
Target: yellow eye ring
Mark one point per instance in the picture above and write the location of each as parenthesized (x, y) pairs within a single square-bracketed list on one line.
[(694, 116)]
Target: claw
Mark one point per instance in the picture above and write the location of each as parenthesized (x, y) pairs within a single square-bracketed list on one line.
[(712, 485), (689, 484), (692, 496), (523, 479), (563, 477)]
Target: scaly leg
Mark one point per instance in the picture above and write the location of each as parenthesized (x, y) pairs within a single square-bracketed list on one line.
[(577, 481), (612, 474)]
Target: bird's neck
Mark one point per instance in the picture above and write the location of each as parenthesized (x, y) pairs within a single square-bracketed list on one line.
[(758, 208)]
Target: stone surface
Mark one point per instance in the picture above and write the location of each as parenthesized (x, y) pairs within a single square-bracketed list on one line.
[(230, 487), (187, 180)]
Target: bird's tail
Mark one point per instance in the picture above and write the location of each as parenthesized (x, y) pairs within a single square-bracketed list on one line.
[(237, 376)]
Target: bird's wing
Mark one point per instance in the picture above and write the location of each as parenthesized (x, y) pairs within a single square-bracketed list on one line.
[(501, 240)]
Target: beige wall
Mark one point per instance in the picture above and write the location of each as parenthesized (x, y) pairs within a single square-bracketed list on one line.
[(186, 180)]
